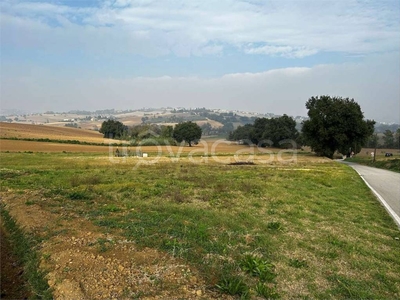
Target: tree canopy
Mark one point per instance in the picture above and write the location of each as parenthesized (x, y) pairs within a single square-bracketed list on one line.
[(145, 131), (113, 129), (188, 132), (268, 132), (335, 124), (243, 133)]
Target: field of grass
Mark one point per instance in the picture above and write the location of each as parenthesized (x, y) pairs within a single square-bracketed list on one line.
[(391, 164), (115, 228), (205, 147)]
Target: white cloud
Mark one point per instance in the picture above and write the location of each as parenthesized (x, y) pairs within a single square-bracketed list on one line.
[(295, 29), (285, 51), (278, 28)]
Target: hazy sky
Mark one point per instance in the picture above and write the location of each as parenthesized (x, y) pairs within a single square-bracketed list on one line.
[(262, 56)]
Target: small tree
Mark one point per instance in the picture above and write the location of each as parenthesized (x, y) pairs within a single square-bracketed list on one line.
[(388, 139), (335, 124), (244, 133), (397, 138), (188, 132), (373, 141)]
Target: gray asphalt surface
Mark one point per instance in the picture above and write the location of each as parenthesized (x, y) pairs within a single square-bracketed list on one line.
[(385, 183)]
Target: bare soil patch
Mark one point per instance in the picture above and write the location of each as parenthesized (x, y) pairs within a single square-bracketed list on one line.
[(84, 263)]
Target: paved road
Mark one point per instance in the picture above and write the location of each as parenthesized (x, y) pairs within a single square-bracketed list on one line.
[(385, 183)]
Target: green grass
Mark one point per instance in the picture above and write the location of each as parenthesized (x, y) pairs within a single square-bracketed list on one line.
[(391, 164), (309, 230), (234, 286), (258, 267)]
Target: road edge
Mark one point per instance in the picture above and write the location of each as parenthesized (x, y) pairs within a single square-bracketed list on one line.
[(391, 212)]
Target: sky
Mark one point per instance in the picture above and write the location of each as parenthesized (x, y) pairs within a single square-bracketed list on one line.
[(253, 55)]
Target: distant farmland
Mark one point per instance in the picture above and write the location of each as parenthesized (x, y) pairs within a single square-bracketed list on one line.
[(13, 138), (28, 131), (25, 146)]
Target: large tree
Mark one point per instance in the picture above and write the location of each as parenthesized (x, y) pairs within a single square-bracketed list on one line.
[(188, 132), (335, 124), (113, 129)]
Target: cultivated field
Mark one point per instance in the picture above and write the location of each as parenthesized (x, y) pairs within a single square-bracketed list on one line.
[(27, 131), (28, 146), (213, 123), (197, 227)]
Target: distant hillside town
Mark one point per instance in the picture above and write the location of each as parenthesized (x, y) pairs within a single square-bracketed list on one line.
[(212, 121)]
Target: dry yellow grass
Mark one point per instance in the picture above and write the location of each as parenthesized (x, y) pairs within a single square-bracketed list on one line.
[(366, 152), (203, 148), (207, 152), (21, 131), (131, 120), (213, 123), (208, 147)]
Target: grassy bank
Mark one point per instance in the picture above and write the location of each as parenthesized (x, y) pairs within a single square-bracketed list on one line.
[(310, 229), (387, 163)]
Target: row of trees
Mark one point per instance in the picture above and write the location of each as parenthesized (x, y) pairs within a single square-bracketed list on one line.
[(187, 132), (389, 139), (274, 132), (334, 124)]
